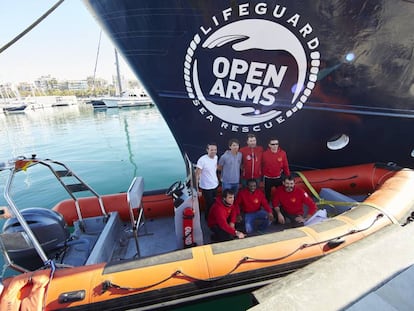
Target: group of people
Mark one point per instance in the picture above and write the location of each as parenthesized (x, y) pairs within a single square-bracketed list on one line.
[(249, 165)]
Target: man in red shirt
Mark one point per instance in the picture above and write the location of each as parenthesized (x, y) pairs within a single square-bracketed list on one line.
[(251, 161), (222, 218), (288, 202), (254, 206), (274, 165)]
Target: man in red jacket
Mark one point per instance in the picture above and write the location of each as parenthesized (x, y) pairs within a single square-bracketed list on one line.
[(288, 202), (251, 161), (253, 204), (222, 218), (274, 165)]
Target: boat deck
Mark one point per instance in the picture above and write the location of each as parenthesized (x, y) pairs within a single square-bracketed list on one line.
[(157, 236)]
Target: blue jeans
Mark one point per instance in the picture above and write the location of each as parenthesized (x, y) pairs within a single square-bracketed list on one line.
[(232, 186), (250, 219)]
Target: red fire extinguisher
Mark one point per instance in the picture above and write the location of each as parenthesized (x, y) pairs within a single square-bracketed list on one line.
[(188, 236)]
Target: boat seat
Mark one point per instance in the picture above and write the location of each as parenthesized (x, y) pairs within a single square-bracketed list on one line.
[(134, 198), (332, 195), (107, 240)]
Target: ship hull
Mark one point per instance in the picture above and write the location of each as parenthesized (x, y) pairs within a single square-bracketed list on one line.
[(221, 69)]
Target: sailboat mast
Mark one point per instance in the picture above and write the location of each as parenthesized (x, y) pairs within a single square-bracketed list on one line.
[(96, 63), (118, 75)]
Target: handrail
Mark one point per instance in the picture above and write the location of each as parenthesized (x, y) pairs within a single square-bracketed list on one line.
[(88, 188), (21, 219), (23, 163)]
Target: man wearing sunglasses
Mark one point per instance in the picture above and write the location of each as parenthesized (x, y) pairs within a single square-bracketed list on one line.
[(274, 166)]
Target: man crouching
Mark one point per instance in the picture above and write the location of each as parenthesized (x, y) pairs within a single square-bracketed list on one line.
[(222, 218)]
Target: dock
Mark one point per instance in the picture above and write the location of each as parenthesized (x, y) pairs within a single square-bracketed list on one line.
[(376, 273)]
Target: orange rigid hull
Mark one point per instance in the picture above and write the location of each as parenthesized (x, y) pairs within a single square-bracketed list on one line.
[(228, 266)]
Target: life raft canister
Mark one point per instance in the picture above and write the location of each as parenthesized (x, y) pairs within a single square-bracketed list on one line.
[(188, 236)]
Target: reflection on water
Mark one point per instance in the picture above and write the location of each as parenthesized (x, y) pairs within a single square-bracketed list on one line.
[(105, 148)]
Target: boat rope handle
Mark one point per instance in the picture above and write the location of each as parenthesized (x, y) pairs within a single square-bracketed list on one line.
[(379, 208), (106, 285), (409, 219)]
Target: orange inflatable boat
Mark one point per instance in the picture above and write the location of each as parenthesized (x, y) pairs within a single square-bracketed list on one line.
[(128, 250)]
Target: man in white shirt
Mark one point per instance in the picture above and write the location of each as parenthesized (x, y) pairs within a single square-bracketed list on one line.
[(206, 174)]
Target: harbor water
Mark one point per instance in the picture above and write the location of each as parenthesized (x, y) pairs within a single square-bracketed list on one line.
[(106, 148)]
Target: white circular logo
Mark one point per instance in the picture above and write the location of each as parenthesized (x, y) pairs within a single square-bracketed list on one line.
[(252, 68)]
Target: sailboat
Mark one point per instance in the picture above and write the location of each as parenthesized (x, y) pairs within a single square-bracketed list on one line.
[(125, 98), (11, 102)]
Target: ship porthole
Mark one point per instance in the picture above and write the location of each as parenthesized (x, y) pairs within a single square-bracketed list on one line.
[(338, 142)]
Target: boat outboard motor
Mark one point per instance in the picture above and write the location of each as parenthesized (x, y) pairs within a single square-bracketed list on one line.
[(49, 228)]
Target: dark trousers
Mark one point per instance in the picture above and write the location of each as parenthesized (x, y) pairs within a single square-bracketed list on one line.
[(292, 223), (269, 183), (209, 196), (219, 235)]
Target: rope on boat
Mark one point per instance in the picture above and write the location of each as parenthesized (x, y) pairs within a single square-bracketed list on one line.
[(331, 203), (33, 25), (307, 183), (106, 285), (322, 201), (379, 208), (409, 219)]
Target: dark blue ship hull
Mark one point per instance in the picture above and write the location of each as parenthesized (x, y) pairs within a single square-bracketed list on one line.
[(333, 80)]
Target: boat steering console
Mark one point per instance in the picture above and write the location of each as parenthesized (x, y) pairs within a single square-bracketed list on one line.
[(176, 191)]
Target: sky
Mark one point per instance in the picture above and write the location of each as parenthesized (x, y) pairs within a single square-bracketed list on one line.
[(64, 45)]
